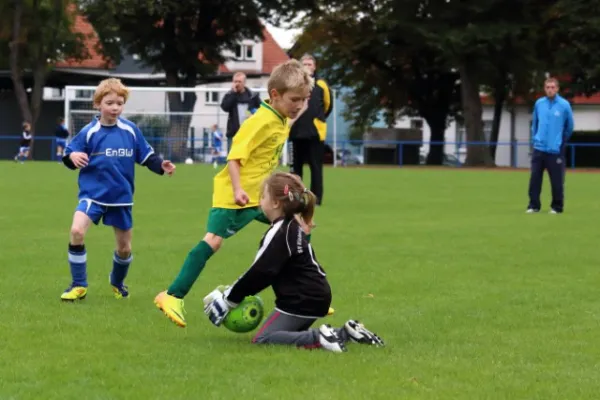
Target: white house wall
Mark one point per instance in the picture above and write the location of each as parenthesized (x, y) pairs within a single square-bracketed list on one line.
[(522, 135), (145, 102), (587, 117), (243, 64), (205, 113), (450, 135)]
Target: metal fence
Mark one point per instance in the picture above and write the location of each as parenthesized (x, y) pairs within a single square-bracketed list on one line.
[(347, 152)]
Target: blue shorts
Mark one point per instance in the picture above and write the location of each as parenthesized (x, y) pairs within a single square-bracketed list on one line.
[(23, 149), (61, 142), (117, 216)]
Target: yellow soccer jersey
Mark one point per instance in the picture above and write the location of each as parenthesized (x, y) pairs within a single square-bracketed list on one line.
[(258, 145)]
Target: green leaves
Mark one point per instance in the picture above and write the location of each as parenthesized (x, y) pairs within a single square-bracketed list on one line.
[(382, 53), (35, 34), (186, 39), (45, 33)]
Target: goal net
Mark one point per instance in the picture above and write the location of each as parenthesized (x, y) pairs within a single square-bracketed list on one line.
[(177, 122)]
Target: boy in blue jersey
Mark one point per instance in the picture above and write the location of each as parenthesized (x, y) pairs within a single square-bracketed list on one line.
[(106, 151), (61, 134), (551, 127), (217, 141)]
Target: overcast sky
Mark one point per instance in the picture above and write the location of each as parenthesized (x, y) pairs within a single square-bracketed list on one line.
[(283, 37)]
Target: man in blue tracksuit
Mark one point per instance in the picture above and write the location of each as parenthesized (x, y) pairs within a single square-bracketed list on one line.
[(551, 127)]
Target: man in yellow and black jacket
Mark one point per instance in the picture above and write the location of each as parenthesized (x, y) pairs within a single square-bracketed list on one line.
[(310, 130)]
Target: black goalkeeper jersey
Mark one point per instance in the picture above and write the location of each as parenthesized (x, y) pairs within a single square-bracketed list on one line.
[(287, 262)]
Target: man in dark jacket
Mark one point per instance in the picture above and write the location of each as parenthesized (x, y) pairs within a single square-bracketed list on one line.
[(310, 130), (240, 102)]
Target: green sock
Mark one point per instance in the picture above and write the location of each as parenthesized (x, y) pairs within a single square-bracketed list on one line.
[(190, 271)]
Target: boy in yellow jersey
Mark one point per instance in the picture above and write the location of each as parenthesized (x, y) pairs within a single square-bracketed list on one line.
[(254, 155)]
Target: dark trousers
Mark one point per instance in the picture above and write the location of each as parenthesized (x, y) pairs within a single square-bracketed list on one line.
[(310, 151), (280, 328), (555, 165)]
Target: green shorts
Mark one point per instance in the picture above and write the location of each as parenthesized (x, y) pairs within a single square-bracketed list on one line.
[(226, 222)]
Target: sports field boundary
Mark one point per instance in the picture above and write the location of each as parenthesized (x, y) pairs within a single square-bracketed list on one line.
[(477, 169)]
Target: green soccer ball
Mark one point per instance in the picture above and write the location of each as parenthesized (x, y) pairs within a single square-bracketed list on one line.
[(246, 316)]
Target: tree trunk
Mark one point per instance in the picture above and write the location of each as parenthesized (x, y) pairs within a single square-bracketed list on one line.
[(179, 124), (15, 67), (437, 126), (35, 101), (499, 100), (477, 154)]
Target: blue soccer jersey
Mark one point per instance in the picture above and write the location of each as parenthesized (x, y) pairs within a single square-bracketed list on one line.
[(217, 140), (108, 179)]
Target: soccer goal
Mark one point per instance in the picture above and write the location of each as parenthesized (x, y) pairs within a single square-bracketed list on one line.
[(177, 122)]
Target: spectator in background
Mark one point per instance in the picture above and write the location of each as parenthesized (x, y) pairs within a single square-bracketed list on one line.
[(217, 144), (240, 102), (61, 134), (25, 143), (310, 130), (551, 127)]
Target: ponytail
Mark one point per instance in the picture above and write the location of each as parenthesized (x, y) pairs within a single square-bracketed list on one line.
[(296, 199), (308, 201)]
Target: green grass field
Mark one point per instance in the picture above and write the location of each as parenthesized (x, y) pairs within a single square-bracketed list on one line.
[(475, 299)]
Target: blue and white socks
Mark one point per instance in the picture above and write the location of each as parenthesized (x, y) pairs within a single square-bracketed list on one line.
[(78, 264), (120, 269)]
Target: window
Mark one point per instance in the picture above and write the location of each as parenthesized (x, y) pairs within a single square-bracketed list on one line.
[(211, 97), (238, 52), (51, 93), (416, 124), (244, 52), (84, 94), (249, 53), (461, 132), (487, 130)]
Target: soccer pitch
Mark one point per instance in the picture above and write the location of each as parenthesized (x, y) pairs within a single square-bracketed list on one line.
[(474, 298)]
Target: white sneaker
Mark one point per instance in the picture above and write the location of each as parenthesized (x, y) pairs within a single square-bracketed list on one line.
[(553, 212), (359, 334), (329, 340), (532, 211)]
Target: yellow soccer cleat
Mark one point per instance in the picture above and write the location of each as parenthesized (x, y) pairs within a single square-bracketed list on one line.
[(74, 293), (121, 292), (331, 311), (172, 307)]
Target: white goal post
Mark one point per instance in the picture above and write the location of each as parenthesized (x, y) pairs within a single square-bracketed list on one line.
[(149, 108)]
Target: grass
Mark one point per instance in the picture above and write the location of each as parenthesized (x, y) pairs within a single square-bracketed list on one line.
[(475, 299)]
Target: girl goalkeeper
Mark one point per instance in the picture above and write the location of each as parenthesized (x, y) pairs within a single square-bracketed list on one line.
[(286, 261)]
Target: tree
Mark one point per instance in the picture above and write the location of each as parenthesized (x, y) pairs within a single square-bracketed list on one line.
[(463, 33), (490, 43), (184, 39), (35, 34), (569, 45), (556, 37), (386, 66)]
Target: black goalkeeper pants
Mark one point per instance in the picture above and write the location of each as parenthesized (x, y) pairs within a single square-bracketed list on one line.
[(311, 152)]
